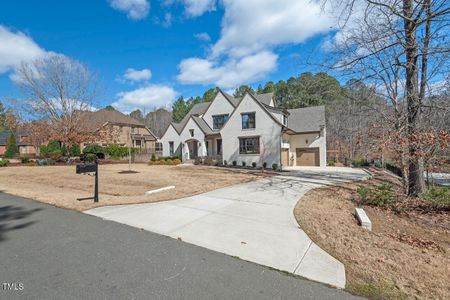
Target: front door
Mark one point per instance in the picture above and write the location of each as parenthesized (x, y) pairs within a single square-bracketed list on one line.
[(193, 149)]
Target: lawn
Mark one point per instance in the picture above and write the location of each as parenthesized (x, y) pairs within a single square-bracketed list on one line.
[(61, 186), (406, 256)]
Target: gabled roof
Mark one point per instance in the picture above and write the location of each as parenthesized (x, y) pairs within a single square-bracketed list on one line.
[(307, 119), (234, 101), (203, 125), (197, 109), (93, 120), (264, 98)]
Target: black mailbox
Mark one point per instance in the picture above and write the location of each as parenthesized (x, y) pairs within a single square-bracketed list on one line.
[(87, 168)]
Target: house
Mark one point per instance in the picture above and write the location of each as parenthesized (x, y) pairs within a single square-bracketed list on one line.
[(26, 148), (249, 129), (106, 127)]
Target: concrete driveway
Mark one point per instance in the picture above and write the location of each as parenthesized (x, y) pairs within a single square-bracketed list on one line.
[(253, 221)]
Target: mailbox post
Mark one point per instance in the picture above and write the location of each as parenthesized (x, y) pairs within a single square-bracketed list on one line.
[(89, 168)]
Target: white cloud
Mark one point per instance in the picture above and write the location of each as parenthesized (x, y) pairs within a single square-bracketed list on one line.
[(195, 8), (135, 9), (137, 75), (16, 47), (231, 73), (202, 36), (148, 97), (251, 31)]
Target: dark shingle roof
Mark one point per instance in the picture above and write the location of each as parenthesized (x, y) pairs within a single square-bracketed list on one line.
[(197, 109), (5, 136), (306, 119), (264, 98), (203, 125)]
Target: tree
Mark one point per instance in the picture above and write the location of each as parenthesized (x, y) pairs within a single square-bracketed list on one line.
[(12, 148), (109, 107), (179, 109), (240, 91), (137, 114), (158, 121), (3, 126), (392, 43), (57, 88), (209, 95)]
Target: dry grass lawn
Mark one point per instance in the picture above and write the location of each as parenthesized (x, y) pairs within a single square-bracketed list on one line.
[(403, 257), (60, 186)]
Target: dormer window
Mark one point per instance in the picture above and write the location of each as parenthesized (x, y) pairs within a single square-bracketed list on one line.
[(191, 131), (219, 121)]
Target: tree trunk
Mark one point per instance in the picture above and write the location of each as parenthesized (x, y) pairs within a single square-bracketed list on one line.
[(416, 180)]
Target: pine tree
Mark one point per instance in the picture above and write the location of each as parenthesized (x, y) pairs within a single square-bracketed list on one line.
[(12, 148)]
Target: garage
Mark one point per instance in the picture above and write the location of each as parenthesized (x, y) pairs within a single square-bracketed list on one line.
[(307, 157)]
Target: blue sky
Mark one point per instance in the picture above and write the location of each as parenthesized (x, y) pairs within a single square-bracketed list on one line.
[(147, 53)]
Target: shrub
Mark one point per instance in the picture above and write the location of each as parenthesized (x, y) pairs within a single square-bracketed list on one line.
[(380, 195), (176, 161), (93, 148), (243, 163), (225, 163), (45, 162), (4, 163), (25, 159), (253, 164), (331, 163), (11, 149), (90, 157), (264, 165), (198, 161), (274, 167), (115, 151), (168, 161), (362, 162), (75, 150), (153, 157), (234, 163), (208, 162), (438, 196)]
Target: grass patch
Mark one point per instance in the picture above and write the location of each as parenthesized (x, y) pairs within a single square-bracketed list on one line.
[(377, 291), (438, 196)]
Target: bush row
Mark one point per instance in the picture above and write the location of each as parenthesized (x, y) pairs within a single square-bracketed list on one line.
[(214, 162)]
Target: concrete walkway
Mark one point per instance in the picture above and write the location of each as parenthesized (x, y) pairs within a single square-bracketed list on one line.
[(253, 221)]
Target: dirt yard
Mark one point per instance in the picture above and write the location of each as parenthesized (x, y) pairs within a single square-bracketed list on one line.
[(404, 257), (60, 186)]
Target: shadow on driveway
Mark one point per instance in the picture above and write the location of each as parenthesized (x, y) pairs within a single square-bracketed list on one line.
[(14, 218)]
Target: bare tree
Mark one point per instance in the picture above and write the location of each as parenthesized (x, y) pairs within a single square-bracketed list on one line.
[(400, 46), (56, 88)]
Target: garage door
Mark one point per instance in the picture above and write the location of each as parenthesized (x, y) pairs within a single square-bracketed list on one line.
[(307, 156)]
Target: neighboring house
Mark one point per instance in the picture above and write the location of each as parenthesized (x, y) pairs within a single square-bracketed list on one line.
[(26, 148), (113, 127), (249, 129)]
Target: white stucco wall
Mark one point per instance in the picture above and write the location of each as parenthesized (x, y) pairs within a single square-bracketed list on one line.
[(198, 135), (219, 106), (266, 128), (315, 140), (170, 135)]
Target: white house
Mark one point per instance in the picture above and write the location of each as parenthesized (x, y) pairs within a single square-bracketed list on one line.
[(249, 129)]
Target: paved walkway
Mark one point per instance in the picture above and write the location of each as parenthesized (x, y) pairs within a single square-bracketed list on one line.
[(253, 221), (55, 253)]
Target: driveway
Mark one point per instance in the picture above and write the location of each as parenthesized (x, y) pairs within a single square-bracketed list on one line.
[(53, 253), (253, 221)]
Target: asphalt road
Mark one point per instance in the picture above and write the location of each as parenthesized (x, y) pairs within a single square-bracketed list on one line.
[(53, 253)]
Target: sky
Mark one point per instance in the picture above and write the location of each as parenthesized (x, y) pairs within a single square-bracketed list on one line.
[(147, 53)]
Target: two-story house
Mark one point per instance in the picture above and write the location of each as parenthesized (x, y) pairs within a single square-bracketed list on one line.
[(249, 129)]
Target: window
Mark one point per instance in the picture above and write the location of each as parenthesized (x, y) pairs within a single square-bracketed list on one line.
[(138, 143), (219, 146), (219, 121), (285, 120), (248, 120), (191, 131), (158, 147), (207, 147), (249, 145), (171, 150)]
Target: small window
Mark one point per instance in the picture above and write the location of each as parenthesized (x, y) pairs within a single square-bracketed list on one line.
[(191, 131), (138, 143), (219, 121), (249, 145), (158, 147), (285, 120), (171, 148), (248, 120)]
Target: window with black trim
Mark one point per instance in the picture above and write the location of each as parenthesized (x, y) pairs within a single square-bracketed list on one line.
[(191, 131), (171, 148), (249, 145), (219, 121), (248, 120), (158, 147)]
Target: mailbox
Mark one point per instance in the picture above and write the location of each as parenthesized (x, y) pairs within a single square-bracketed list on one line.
[(87, 168)]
